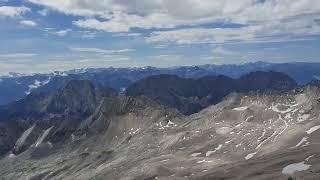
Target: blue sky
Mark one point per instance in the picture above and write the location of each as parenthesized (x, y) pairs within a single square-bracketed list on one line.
[(48, 35)]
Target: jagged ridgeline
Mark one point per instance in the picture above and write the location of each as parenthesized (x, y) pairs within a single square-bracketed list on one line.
[(192, 95), (259, 126), (17, 86)]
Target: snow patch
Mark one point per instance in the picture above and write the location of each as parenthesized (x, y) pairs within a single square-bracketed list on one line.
[(262, 135), (302, 118), (309, 157), (133, 132), (209, 153), (313, 129), (11, 155), (170, 124), (303, 140), (288, 116), (241, 108), (215, 150), (238, 145), (284, 129), (223, 130), (296, 167), (43, 137), (23, 137), (36, 85), (165, 160), (275, 108), (195, 154), (204, 161), (59, 73), (249, 156)]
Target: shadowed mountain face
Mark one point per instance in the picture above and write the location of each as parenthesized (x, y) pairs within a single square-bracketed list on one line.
[(265, 81), (192, 95), (16, 87), (76, 97)]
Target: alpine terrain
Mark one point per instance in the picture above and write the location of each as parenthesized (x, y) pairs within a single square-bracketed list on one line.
[(85, 131)]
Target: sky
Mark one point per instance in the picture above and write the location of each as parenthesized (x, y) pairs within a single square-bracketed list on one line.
[(48, 35)]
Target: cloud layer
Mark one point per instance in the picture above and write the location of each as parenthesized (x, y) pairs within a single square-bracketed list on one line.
[(65, 34), (28, 23), (259, 20), (10, 11)]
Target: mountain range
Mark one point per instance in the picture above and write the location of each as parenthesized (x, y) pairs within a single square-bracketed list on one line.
[(86, 131), (16, 86), (192, 95)]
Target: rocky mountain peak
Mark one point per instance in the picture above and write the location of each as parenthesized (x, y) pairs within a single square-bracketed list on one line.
[(192, 95), (78, 96), (261, 80)]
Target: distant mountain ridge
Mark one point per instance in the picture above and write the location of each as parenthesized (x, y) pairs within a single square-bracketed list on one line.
[(17, 86), (192, 95)]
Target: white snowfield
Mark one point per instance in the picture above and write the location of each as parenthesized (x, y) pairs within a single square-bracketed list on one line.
[(296, 167), (313, 129), (36, 85), (223, 130), (249, 156), (215, 150), (241, 108), (169, 124), (303, 140), (43, 137), (275, 108), (24, 137), (195, 154), (302, 118)]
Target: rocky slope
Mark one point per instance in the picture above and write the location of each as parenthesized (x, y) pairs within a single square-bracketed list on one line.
[(63, 109), (192, 95), (256, 135), (74, 98)]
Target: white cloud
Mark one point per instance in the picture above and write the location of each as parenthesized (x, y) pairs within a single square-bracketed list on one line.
[(61, 32), (28, 23), (89, 50), (201, 35), (263, 20), (17, 55), (159, 12), (160, 46), (126, 35), (56, 32), (170, 58), (88, 34), (43, 12), (221, 51), (271, 31), (101, 51), (11, 11), (105, 26)]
